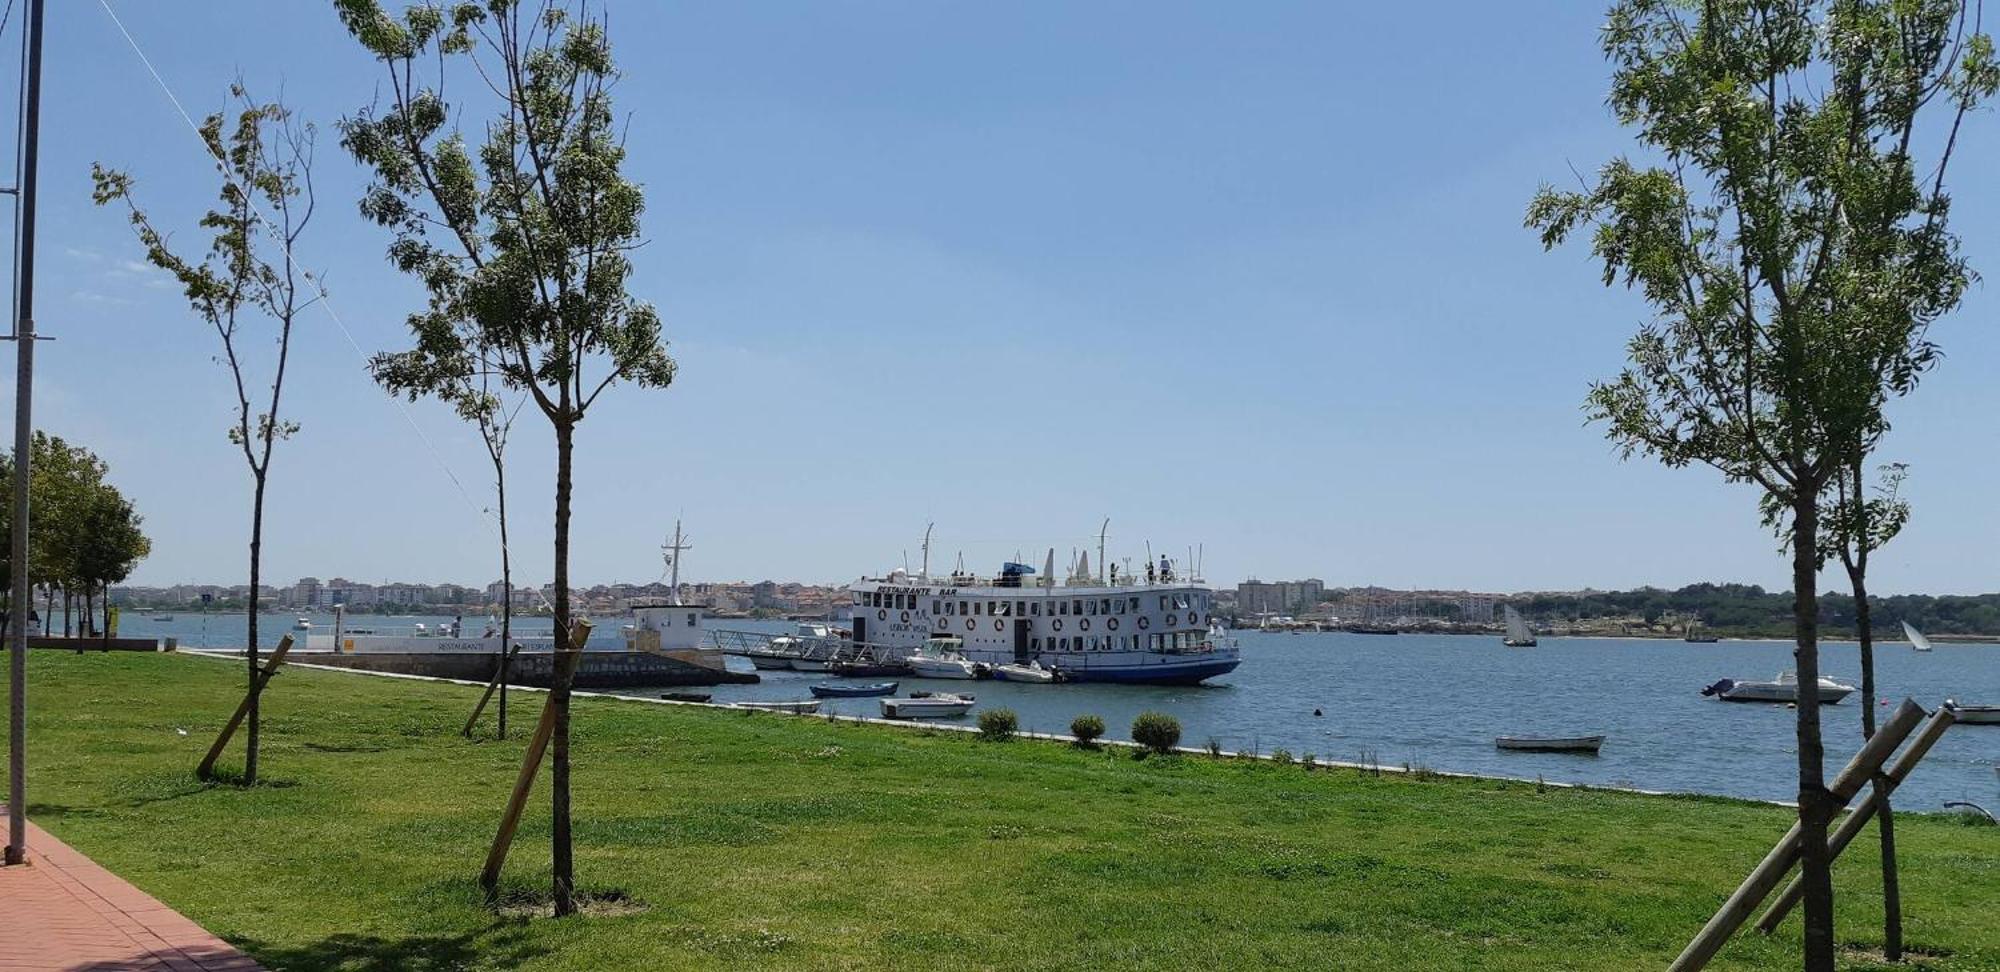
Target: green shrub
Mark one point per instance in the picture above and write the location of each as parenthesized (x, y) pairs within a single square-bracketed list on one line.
[(998, 725), (1156, 731), (1086, 729), (1282, 757)]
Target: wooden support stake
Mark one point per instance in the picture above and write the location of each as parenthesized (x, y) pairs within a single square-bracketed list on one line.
[(563, 667), (206, 770), (1772, 869), (498, 672), (1920, 745)]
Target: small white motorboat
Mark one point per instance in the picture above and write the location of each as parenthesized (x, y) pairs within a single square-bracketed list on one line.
[(305, 624), (1785, 688), (1979, 715), (794, 706), (941, 658), (1917, 640), (769, 661), (1031, 672), (1550, 744), (927, 706)]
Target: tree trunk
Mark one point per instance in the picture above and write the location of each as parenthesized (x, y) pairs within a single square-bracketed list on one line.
[(559, 691), (506, 591), (1815, 811), (250, 647), (1857, 574)]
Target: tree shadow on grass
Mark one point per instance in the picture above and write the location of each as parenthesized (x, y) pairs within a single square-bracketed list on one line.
[(498, 947)]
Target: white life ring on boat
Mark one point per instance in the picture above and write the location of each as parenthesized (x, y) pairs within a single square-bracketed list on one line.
[(1194, 618), (944, 624), (1173, 619), (1145, 622), (881, 615), (969, 623), (1056, 624), (1111, 624), (1083, 625), (906, 617), (999, 625)]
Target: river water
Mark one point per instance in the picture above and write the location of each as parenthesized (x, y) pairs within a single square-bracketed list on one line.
[(1437, 701)]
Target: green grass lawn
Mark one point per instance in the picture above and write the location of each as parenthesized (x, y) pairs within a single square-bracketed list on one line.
[(760, 841)]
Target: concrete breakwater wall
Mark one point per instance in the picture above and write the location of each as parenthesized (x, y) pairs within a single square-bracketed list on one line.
[(597, 669)]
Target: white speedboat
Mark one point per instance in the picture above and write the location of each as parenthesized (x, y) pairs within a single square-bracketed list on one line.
[(1030, 672), (1979, 715), (1785, 688), (940, 657), (794, 706), (304, 624), (925, 706)]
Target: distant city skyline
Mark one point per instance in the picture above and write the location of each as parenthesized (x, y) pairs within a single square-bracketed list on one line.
[(1248, 278)]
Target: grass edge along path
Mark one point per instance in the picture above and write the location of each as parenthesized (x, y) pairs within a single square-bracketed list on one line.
[(716, 839)]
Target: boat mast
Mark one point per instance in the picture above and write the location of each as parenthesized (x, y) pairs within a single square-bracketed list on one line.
[(672, 551), (1101, 531), (925, 573)]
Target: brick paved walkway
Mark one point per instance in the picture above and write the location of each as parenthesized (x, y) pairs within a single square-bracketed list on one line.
[(63, 912)]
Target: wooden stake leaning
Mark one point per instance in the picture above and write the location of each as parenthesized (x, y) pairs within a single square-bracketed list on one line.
[(1773, 868), (564, 666), (1920, 745), (206, 770), (498, 671)]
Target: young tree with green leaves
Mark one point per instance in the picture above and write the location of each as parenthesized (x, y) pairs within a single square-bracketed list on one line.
[(522, 240), (264, 157), (1790, 231), (1859, 525)]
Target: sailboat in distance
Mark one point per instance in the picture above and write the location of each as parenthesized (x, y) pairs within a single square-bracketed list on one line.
[(1917, 640), (1518, 635)]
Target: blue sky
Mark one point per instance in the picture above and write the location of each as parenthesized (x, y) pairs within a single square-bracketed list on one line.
[(1244, 276)]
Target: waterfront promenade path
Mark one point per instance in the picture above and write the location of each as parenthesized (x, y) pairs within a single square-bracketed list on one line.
[(64, 912)]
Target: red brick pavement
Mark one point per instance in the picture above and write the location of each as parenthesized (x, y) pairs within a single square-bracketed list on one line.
[(63, 913)]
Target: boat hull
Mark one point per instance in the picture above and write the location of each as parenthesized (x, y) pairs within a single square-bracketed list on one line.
[(1164, 673), (1782, 694), (800, 707), (1554, 744), (924, 708), (770, 663), (937, 669), (1979, 715), (853, 691)]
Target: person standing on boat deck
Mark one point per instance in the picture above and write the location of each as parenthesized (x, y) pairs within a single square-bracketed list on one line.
[(1149, 572)]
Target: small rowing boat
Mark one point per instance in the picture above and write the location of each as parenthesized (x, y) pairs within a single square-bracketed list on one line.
[(1550, 744), (926, 706), (685, 696), (1979, 715), (835, 690), (794, 706)]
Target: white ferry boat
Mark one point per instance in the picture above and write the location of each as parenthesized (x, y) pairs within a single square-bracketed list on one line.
[(1155, 630)]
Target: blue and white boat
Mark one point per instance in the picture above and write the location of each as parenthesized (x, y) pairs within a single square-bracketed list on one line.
[(837, 690), (1151, 628)]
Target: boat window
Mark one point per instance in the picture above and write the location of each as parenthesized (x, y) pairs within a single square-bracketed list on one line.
[(1062, 607), (1106, 609), (1078, 608), (1163, 602), (934, 606), (1020, 609), (1135, 604), (691, 616), (1036, 609)]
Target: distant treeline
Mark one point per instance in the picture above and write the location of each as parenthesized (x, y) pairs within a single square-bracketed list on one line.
[(1750, 609)]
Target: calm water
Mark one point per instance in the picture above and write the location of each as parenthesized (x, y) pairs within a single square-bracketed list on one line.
[(1438, 701)]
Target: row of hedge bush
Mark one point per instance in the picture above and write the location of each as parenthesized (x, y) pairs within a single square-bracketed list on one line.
[(1156, 731)]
